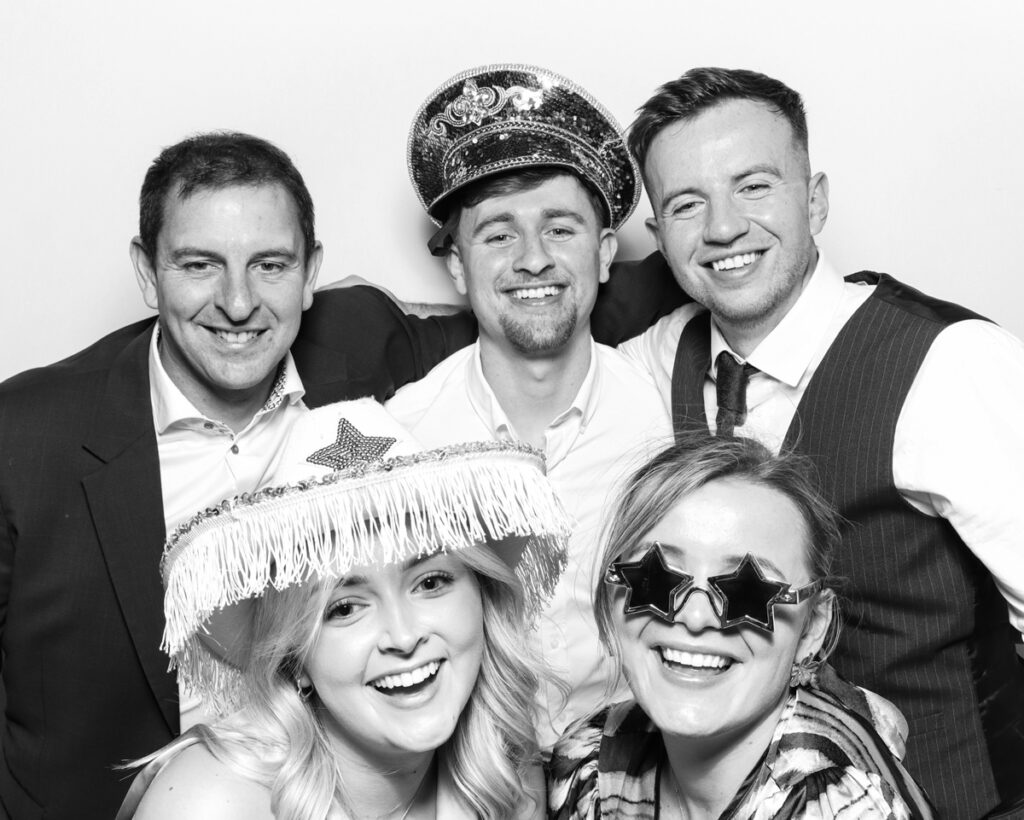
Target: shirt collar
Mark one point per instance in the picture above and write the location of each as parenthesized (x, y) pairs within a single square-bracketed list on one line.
[(787, 351), (170, 405), (487, 407)]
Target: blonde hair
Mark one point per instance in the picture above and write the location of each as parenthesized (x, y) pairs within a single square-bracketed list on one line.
[(277, 740)]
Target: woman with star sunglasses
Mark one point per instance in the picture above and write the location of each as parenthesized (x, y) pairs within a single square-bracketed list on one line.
[(717, 601)]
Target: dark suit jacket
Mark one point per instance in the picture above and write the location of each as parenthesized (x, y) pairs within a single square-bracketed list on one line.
[(81, 533), (82, 528)]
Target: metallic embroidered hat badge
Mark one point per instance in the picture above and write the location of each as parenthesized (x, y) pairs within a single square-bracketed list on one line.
[(501, 118)]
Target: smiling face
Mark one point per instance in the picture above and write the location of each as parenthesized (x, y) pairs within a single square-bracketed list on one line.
[(530, 263), (694, 679), (230, 278), (397, 657), (736, 212)]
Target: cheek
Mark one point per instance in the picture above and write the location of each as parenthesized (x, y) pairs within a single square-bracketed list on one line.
[(465, 623), (631, 650), (339, 657)]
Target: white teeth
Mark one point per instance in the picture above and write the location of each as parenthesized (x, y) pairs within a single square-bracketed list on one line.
[(696, 659), (535, 293), (237, 338), (404, 680), (734, 262)]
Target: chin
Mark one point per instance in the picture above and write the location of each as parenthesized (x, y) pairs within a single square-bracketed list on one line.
[(425, 738)]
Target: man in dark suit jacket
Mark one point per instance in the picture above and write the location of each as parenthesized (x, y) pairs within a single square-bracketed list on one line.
[(227, 255)]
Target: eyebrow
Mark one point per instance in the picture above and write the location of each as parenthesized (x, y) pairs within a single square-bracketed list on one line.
[(357, 580), (276, 253), (547, 213), (760, 168), (182, 253)]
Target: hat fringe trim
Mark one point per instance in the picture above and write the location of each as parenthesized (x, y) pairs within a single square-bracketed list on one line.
[(286, 536)]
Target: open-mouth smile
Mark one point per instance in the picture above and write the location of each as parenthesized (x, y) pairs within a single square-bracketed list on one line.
[(403, 683)]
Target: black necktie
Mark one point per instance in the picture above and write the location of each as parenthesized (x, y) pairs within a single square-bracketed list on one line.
[(731, 389)]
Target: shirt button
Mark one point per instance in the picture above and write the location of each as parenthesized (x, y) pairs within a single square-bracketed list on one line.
[(234, 449)]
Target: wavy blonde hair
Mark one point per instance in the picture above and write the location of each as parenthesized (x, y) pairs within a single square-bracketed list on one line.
[(277, 740)]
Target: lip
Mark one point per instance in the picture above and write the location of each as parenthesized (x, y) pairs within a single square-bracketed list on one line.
[(758, 254), (222, 335), (411, 696), (512, 290)]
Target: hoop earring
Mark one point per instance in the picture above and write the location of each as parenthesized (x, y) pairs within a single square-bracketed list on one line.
[(805, 673), (305, 692)]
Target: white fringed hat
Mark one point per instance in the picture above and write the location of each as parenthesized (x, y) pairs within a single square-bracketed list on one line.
[(351, 488)]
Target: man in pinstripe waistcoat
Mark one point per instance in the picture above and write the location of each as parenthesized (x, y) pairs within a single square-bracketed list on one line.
[(908, 405)]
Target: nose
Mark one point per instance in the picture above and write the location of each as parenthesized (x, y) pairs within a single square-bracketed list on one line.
[(696, 610), (725, 222), (401, 632), (533, 256), (239, 299)]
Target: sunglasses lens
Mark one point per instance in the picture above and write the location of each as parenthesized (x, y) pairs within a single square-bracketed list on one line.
[(747, 596)]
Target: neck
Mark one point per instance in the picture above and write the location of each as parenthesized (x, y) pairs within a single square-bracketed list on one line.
[(234, 408), (394, 791), (702, 776), (534, 390)]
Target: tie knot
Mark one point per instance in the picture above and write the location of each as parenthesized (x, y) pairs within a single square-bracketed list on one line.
[(731, 391)]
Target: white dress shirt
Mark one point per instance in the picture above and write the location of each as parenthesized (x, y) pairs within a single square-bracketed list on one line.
[(959, 444), (615, 423), (202, 461)]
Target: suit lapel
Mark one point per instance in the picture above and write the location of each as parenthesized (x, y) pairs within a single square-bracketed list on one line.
[(126, 504)]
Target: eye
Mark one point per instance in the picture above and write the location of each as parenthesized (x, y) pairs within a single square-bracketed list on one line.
[(499, 239), (343, 610), (269, 267), (561, 232), (685, 209), (755, 189), (198, 266), (435, 582)]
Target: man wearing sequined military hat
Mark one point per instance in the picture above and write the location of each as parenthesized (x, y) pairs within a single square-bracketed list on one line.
[(528, 177)]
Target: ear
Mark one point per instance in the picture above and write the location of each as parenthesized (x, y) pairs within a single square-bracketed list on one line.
[(817, 202), (651, 223), (817, 627), (145, 273), (608, 245), (312, 272), (456, 269)]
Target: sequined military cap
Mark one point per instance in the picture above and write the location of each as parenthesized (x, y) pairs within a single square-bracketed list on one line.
[(500, 118)]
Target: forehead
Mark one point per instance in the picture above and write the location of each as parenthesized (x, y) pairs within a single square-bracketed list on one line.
[(725, 139), (230, 214), (559, 193), (731, 517)]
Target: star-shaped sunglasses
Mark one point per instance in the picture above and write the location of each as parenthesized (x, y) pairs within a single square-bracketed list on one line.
[(741, 597)]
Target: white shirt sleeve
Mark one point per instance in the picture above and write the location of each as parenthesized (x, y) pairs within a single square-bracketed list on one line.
[(655, 349), (959, 447)]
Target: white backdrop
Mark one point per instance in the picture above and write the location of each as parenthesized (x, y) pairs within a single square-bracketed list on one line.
[(916, 112)]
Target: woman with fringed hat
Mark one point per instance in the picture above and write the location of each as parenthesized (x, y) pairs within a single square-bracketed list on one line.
[(359, 627)]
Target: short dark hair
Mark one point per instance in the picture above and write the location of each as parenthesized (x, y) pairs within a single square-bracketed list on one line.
[(696, 459), (702, 88), (511, 182), (216, 160)]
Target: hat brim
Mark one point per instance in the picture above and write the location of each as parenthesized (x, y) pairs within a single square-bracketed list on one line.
[(382, 513)]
